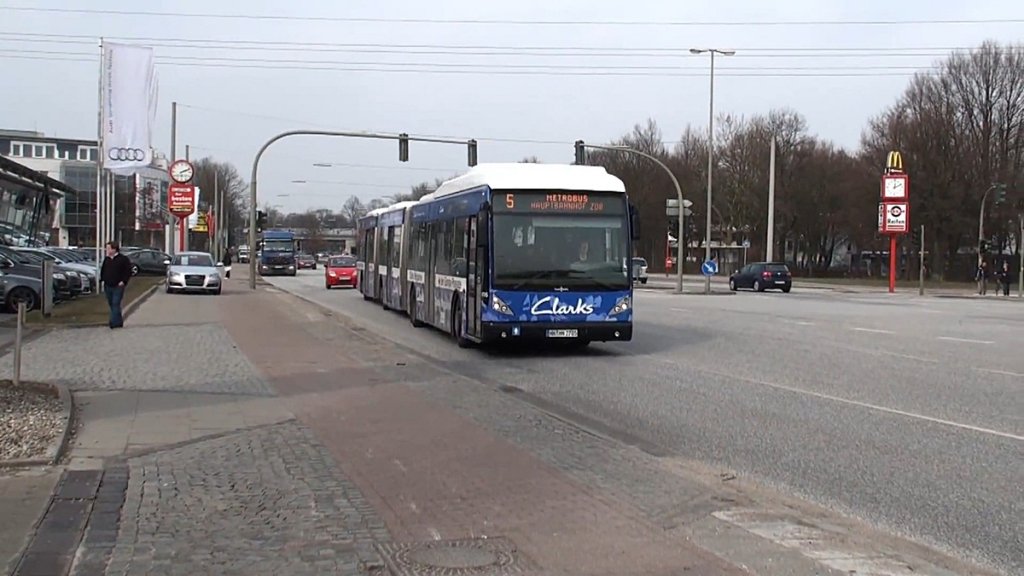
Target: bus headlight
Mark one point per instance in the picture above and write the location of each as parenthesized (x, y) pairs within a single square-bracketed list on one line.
[(499, 306), (621, 305)]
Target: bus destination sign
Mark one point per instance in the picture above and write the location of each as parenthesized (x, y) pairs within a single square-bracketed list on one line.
[(559, 203)]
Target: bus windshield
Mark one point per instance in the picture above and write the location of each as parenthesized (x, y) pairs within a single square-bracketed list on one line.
[(277, 246), (578, 252)]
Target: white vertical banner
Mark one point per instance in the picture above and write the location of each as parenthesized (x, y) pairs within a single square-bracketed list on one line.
[(128, 88)]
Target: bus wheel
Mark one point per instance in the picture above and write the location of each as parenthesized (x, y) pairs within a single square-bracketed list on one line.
[(413, 305), (460, 338)]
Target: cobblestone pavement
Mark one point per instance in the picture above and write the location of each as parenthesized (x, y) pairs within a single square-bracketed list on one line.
[(434, 474), (266, 501), (197, 357)]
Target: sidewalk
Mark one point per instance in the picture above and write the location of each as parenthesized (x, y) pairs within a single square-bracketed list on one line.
[(695, 282), (435, 475)]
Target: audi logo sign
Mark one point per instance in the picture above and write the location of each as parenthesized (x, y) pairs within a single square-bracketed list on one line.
[(127, 154)]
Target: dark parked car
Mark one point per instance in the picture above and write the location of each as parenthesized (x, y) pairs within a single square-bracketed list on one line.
[(761, 276), (147, 262)]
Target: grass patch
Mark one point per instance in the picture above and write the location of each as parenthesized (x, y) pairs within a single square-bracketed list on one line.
[(92, 309)]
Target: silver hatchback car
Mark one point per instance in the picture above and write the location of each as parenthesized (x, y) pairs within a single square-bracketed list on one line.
[(194, 272)]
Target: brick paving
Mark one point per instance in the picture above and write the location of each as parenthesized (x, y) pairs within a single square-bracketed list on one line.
[(268, 501), (198, 358), (170, 343), (437, 475)]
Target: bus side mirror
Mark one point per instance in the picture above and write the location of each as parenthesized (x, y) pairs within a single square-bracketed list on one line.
[(634, 222)]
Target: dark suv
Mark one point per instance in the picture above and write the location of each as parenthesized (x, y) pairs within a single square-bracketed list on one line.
[(761, 276)]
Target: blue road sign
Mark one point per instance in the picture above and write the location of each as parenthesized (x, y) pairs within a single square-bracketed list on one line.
[(709, 268)]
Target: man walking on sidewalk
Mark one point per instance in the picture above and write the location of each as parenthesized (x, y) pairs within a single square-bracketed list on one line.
[(115, 274)]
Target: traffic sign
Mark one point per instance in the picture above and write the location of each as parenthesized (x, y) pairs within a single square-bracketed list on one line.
[(709, 268), (897, 217), (181, 200)]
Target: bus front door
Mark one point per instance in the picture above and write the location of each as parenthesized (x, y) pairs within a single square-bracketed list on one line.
[(475, 283)]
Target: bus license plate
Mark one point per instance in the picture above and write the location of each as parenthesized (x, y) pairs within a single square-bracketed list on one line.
[(573, 333)]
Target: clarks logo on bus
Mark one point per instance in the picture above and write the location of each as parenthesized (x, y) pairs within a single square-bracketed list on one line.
[(552, 306)]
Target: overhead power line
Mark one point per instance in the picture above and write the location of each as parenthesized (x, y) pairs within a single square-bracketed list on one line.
[(491, 66), (508, 22), (493, 69), (470, 49)]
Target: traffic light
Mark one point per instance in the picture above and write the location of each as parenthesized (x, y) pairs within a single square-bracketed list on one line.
[(471, 151), (983, 247), (915, 236), (1000, 193), (581, 153), (403, 147), (261, 220)]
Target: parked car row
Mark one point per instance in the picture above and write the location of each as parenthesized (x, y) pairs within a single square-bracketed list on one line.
[(21, 275)]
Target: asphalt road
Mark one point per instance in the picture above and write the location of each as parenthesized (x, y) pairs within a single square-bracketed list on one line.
[(906, 412)]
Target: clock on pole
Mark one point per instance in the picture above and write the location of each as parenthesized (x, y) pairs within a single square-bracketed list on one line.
[(182, 171)]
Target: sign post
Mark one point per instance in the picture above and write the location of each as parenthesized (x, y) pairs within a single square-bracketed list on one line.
[(181, 197), (894, 209)]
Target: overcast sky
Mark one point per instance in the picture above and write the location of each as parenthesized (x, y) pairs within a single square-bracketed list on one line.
[(512, 90)]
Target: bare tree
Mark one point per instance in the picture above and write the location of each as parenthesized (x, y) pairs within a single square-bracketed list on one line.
[(352, 210)]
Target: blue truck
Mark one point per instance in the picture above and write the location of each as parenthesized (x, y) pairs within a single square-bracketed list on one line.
[(277, 253)]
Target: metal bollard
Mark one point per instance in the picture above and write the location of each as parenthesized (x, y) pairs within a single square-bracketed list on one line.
[(17, 343)]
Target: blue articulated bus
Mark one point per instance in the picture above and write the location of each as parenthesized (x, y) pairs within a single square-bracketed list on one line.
[(366, 259), (514, 252), (391, 259)]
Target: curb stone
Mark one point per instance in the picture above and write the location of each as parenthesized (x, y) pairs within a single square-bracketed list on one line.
[(59, 445)]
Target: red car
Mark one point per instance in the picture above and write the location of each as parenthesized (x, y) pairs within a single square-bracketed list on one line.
[(340, 271)]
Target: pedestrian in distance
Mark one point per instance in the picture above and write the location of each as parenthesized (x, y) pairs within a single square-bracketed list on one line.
[(115, 274), (981, 276), (1004, 278)]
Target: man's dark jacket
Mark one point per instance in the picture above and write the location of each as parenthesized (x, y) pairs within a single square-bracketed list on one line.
[(116, 270)]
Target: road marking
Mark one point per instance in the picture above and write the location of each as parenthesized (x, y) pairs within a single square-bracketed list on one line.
[(873, 330), (400, 466), (965, 340), (908, 356), (679, 309), (800, 322), (1001, 372), (434, 533), (825, 546), (869, 406)]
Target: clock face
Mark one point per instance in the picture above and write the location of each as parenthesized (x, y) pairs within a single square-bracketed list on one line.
[(182, 171), (895, 188)]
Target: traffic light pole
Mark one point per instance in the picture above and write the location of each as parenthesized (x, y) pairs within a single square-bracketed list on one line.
[(580, 145), (920, 265), (402, 138)]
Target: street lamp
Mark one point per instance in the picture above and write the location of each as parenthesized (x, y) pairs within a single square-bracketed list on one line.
[(1001, 195), (711, 151)]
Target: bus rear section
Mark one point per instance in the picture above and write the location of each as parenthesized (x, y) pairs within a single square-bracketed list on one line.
[(277, 253), (391, 224), (367, 252), (560, 267)]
